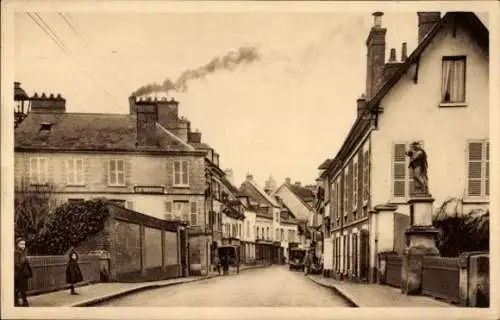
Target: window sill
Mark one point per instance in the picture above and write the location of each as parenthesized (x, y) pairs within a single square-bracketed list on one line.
[(75, 185), (183, 186), (478, 200), (452, 104), (117, 185)]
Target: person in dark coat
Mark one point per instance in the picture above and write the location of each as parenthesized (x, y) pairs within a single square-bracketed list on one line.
[(22, 273), (73, 272)]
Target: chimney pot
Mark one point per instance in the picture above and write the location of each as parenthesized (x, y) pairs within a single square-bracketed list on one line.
[(377, 19), (404, 54), (287, 180), (43, 95), (392, 57)]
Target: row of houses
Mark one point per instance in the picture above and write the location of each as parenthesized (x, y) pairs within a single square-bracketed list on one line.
[(438, 96), (149, 161)]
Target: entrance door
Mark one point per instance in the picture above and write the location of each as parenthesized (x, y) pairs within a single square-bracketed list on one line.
[(184, 253), (364, 250)]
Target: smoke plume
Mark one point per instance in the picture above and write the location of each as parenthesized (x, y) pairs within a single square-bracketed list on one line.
[(230, 61)]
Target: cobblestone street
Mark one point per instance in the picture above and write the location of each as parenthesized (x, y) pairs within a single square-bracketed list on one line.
[(268, 287)]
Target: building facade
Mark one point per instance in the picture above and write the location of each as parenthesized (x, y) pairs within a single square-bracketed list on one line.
[(147, 161), (437, 96)]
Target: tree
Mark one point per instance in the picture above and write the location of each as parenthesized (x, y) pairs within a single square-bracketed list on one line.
[(33, 205)]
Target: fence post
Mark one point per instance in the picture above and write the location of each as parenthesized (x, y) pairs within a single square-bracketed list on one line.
[(143, 249), (464, 279)]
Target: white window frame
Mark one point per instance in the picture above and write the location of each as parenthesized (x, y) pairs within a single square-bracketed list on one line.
[(485, 163), (408, 179), (73, 177), (116, 173), (39, 175), (452, 60), (182, 182), (355, 172)]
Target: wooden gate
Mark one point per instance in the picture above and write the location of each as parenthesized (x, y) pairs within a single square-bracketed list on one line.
[(364, 259)]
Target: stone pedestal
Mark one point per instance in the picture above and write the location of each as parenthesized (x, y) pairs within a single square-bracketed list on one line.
[(421, 241)]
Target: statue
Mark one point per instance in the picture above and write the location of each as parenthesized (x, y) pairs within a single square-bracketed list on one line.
[(418, 164)]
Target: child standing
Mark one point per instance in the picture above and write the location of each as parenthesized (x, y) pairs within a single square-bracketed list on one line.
[(73, 272)]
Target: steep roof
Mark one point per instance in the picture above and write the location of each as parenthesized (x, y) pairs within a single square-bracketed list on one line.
[(256, 193), (89, 131), (303, 193), (361, 124)]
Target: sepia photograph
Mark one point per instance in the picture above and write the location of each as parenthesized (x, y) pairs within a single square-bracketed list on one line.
[(247, 155)]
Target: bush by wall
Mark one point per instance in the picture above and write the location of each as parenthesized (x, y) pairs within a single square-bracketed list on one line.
[(462, 232), (70, 224)]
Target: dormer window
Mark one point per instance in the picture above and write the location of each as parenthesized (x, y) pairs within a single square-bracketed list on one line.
[(45, 126)]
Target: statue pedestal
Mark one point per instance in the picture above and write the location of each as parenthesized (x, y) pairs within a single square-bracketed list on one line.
[(421, 241)]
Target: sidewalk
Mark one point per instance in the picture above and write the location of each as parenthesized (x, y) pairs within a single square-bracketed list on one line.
[(93, 294), (375, 295)]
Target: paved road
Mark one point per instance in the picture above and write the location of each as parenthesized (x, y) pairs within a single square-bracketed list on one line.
[(265, 287)]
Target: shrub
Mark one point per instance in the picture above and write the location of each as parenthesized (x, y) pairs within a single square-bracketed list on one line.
[(462, 233), (70, 224)]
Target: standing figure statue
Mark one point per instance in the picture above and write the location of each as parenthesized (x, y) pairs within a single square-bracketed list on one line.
[(418, 164)]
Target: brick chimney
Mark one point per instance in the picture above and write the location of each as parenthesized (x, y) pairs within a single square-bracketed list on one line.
[(249, 177), (391, 66), (50, 104), (375, 44), (194, 137), (147, 116), (361, 104), (229, 175), (288, 181), (131, 103), (426, 21)]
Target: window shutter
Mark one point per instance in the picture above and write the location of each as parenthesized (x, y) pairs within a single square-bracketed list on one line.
[(168, 210), (368, 170), (355, 185), (474, 176), (194, 213), (79, 171), (70, 172), (185, 211), (106, 164), (185, 167), (399, 170), (177, 172)]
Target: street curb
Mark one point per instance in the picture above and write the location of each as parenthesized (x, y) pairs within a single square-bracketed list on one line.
[(344, 296), (95, 301)]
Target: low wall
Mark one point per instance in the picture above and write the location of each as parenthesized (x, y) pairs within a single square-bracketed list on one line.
[(49, 272), (461, 280)]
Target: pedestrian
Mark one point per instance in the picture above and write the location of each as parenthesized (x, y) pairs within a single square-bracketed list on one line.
[(22, 273), (73, 272), (217, 262)]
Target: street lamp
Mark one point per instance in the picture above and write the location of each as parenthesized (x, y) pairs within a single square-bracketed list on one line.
[(21, 104)]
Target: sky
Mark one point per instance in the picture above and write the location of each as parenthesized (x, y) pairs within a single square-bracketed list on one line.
[(279, 116)]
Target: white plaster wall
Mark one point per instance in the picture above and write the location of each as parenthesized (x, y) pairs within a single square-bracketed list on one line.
[(412, 112)]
